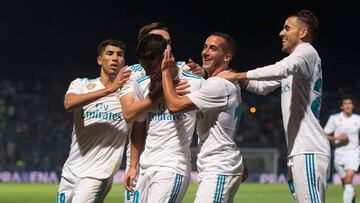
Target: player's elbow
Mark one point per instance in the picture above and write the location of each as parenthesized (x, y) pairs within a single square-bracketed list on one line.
[(128, 117), (263, 93), (68, 106), (174, 108)]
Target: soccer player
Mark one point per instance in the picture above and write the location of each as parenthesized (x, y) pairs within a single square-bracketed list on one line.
[(300, 77), (99, 133), (165, 163), (343, 128), (132, 106), (219, 161)]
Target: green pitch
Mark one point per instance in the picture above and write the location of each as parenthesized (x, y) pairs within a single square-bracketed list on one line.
[(248, 193)]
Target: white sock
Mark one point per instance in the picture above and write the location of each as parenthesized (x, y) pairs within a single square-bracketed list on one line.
[(348, 193)]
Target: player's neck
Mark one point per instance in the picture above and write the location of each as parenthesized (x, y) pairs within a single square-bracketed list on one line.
[(347, 115), (105, 79), (217, 71)]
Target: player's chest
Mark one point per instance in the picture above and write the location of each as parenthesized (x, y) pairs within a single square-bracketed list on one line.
[(348, 125)]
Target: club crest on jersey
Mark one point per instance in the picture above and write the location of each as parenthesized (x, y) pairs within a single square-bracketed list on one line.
[(125, 86), (90, 86)]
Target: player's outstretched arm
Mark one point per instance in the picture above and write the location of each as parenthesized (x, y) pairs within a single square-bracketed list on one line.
[(175, 102), (73, 101), (233, 76), (132, 109), (138, 135)]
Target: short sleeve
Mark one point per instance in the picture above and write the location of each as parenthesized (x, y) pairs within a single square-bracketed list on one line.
[(330, 126), (76, 86), (213, 94), (128, 87)]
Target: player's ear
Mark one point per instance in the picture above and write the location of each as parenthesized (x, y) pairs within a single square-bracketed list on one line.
[(228, 57), (304, 34), (99, 60)]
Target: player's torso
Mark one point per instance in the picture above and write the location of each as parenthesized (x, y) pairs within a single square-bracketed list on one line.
[(350, 126), (169, 134), (216, 131), (98, 136), (301, 104)]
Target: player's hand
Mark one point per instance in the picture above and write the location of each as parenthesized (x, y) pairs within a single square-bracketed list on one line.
[(245, 174), (155, 89), (129, 179), (168, 61), (122, 76), (182, 87), (196, 68), (343, 137)]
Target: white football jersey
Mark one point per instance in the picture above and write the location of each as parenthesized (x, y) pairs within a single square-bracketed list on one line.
[(139, 72), (220, 103), (300, 77), (338, 124), (98, 136), (169, 135)]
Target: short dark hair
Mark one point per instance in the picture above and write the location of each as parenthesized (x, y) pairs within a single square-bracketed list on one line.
[(230, 45), (150, 27), (347, 97), (112, 42), (150, 48), (309, 18)]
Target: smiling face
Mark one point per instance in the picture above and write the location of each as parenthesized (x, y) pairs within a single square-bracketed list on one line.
[(111, 60), (213, 53), (293, 33)]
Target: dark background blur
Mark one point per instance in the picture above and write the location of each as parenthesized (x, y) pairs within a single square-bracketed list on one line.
[(47, 44), (41, 39)]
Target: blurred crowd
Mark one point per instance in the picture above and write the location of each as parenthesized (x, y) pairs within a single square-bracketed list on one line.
[(35, 130)]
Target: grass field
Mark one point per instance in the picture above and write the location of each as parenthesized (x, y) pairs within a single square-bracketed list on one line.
[(248, 193)]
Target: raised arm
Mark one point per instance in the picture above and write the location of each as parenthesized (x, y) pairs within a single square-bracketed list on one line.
[(175, 102), (73, 101), (132, 108)]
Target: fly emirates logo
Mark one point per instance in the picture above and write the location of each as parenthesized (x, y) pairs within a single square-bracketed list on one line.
[(101, 113), (161, 113)]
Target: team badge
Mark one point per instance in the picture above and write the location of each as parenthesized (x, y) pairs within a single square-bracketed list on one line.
[(90, 86)]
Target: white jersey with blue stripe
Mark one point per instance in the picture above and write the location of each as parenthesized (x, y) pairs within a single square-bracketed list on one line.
[(300, 77), (338, 124), (169, 135), (219, 100), (99, 134), (139, 72)]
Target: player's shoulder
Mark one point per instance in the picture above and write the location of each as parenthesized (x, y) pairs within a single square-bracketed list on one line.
[(190, 75), (335, 115), (215, 84), (305, 49), (180, 63), (136, 68), (143, 79), (85, 80), (356, 116)]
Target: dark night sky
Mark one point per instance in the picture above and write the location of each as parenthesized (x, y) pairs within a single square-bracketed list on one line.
[(59, 39)]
